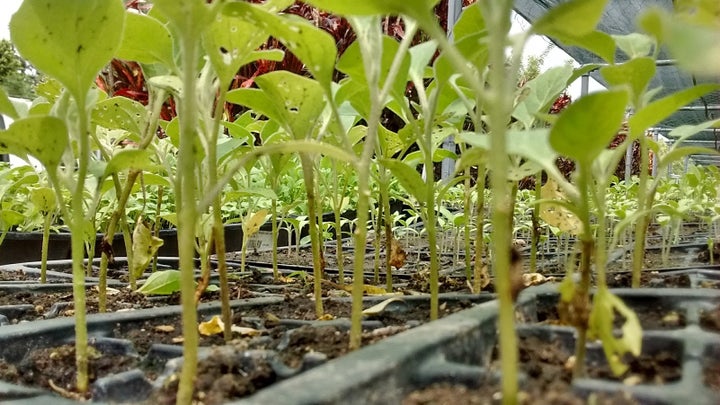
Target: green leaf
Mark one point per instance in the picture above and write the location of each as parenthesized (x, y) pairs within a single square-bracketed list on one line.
[(189, 17), (128, 159), (588, 125), (229, 42), (373, 7), (163, 282), (539, 92), (313, 46), (70, 40), (10, 218), (571, 19), (636, 73), (144, 246), (597, 42), (42, 137), (44, 199), (531, 145), (660, 109), (470, 23), (121, 113), (692, 44), (351, 63), (6, 106), (293, 100), (605, 306), (136, 46), (420, 57), (634, 45), (685, 131), (408, 177)]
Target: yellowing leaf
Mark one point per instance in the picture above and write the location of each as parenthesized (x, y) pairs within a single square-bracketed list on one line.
[(605, 306), (326, 317), (368, 289), (253, 222), (212, 327), (145, 245), (555, 214)]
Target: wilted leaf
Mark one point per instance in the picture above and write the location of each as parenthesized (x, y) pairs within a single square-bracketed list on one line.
[(144, 245), (253, 222), (602, 316), (397, 254)]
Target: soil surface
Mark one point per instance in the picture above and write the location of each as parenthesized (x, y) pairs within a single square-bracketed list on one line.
[(547, 368), (222, 377)]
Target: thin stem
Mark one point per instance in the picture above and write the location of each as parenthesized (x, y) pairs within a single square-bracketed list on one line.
[(77, 223), (501, 83), (47, 220), (308, 175), (187, 212)]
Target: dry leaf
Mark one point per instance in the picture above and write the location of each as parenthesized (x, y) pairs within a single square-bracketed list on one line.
[(243, 331), (378, 308), (165, 328), (108, 290), (397, 254), (531, 279), (211, 327), (178, 339)]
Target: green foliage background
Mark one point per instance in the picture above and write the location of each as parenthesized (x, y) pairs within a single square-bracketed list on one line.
[(17, 76)]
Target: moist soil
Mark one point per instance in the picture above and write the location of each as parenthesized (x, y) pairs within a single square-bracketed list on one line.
[(547, 374), (221, 377)]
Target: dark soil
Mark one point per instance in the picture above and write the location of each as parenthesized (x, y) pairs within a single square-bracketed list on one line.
[(546, 366), (710, 319), (54, 368), (222, 377), (650, 318), (649, 279)]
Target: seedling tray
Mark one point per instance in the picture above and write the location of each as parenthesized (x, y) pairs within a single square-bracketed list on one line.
[(459, 348)]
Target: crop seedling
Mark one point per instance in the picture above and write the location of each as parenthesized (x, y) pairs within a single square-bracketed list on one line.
[(51, 37)]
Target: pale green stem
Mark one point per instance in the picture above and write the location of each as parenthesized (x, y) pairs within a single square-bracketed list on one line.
[(307, 168), (77, 227), (273, 218), (187, 212), (479, 228), (644, 202), (45, 242)]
